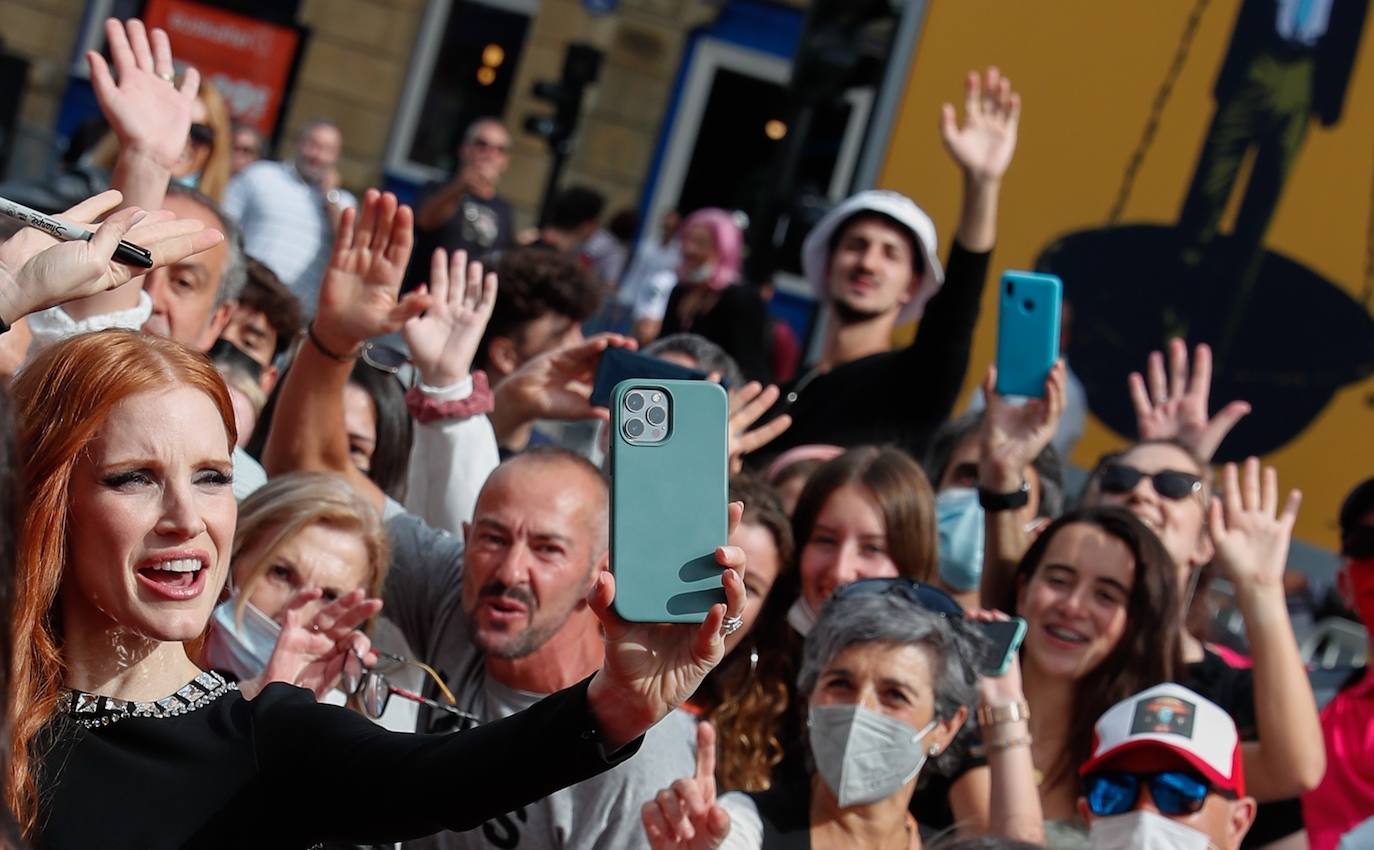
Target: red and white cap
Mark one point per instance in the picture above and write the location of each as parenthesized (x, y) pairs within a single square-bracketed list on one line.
[(1164, 726), (899, 208)]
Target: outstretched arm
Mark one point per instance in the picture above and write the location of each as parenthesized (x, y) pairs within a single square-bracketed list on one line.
[(1251, 536), (358, 301), (151, 117)]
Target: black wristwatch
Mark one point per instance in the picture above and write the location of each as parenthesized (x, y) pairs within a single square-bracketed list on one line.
[(1017, 498)]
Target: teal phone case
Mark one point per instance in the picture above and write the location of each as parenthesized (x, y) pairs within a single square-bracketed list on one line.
[(669, 504), (1027, 332)]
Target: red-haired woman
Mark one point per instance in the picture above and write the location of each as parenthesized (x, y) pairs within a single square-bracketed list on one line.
[(122, 741)]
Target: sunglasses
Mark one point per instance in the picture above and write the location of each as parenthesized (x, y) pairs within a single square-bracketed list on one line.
[(384, 358), (202, 134), (1175, 792), (1172, 484), (1358, 543), (930, 598), (374, 690)]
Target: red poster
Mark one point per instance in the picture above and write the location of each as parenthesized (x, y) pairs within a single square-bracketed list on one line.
[(248, 60)]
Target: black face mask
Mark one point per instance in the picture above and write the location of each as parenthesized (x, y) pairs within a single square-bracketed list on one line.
[(225, 353)]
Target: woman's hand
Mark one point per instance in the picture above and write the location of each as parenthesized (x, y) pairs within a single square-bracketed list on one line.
[(1014, 435), (747, 404), (47, 272), (684, 816), (1176, 408), (311, 654), (150, 116), (998, 690), (651, 668), (1250, 535), (443, 340), (360, 296)]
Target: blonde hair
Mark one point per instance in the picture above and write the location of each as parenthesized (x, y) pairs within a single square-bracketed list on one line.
[(287, 505)]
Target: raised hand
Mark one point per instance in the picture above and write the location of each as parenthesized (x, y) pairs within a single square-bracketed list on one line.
[(311, 650), (1176, 408), (1014, 435), (684, 816), (747, 404), (148, 113), (1251, 536), (651, 669), (984, 145), (360, 296), (444, 339), (47, 272), (554, 385)]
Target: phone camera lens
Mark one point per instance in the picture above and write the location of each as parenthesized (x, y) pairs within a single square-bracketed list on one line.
[(656, 416), (634, 429), (634, 402), (1028, 305), (1011, 288)]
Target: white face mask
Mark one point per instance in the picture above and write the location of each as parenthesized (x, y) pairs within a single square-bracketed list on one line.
[(1143, 830), (862, 755), (701, 274), (242, 649)]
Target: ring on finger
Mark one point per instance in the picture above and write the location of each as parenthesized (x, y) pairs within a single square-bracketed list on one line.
[(731, 625), (166, 75)]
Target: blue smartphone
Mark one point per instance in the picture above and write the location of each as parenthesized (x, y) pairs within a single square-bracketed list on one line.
[(1004, 638), (1027, 332), (669, 498), (622, 364)]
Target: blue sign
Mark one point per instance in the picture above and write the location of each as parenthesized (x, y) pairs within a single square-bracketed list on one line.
[(601, 7)]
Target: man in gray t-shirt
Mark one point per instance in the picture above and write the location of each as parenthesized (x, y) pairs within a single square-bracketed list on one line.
[(504, 620)]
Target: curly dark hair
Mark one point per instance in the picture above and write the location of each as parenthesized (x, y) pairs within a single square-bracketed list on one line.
[(264, 292), (534, 282)]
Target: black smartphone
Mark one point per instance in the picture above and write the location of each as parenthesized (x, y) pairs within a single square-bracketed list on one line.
[(1003, 640), (621, 364)]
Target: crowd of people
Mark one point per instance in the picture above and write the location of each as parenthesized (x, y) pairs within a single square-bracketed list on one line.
[(305, 537)]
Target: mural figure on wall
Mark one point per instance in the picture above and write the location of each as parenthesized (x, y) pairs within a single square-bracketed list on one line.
[(1286, 338)]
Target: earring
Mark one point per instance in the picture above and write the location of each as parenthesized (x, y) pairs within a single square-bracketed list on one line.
[(934, 750)]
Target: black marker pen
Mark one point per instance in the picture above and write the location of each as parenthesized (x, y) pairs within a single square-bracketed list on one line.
[(127, 253)]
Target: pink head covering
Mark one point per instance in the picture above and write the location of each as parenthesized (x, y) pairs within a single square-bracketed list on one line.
[(729, 241), (797, 454)]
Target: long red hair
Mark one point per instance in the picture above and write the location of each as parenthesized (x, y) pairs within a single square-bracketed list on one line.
[(62, 400)]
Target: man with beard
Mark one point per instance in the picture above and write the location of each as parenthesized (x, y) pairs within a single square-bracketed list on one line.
[(506, 620), (873, 263), (288, 210)]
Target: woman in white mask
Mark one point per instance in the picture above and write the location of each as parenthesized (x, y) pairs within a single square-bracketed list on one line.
[(709, 298), (888, 683), (304, 541)]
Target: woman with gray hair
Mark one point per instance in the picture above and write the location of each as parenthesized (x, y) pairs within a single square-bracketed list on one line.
[(888, 683)]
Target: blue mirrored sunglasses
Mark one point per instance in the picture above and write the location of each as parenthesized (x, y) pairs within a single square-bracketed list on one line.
[(1175, 792)]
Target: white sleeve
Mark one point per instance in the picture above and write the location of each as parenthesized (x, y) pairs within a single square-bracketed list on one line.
[(236, 195), (746, 827), (651, 302), (449, 461)]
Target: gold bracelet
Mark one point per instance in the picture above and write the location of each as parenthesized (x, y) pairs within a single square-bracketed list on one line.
[(1000, 746), (1007, 712)]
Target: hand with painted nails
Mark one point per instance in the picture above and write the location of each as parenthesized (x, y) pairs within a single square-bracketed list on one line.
[(652, 668)]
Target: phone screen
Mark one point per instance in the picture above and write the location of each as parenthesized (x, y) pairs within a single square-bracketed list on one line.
[(1003, 640), (619, 364)]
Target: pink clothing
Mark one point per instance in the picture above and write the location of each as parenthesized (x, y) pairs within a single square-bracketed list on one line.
[(1345, 797), (729, 242)]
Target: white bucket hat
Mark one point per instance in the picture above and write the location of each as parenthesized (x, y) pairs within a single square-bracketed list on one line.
[(816, 248)]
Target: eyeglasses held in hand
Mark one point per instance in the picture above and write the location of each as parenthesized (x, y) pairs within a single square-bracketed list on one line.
[(374, 690), (1175, 792), (1172, 484), (930, 598)]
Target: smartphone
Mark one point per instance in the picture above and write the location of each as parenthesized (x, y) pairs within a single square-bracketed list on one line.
[(1027, 332), (1003, 639), (622, 364), (669, 498)]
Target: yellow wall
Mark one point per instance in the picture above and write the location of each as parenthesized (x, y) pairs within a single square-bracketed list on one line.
[(1088, 71)]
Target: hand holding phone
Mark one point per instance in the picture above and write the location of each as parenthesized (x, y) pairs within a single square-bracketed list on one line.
[(1027, 332), (1003, 641)]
